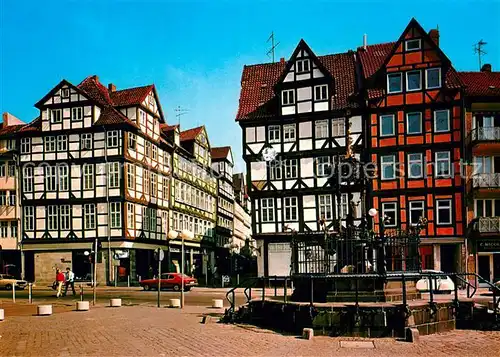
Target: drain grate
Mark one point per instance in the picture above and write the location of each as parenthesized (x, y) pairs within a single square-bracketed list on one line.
[(357, 344)]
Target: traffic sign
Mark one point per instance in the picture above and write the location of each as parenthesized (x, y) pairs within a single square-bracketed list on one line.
[(160, 254)]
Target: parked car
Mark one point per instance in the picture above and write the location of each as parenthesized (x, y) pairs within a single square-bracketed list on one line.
[(170, 281), (441, 283), (7, 281)]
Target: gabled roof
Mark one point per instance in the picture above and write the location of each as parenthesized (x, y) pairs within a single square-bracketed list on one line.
[(35, 125), (481, 84), (55, 89), (95, 90), (190, 134), (130, 96), (257, 97), (6, 130), (220, 153), (166, 128)]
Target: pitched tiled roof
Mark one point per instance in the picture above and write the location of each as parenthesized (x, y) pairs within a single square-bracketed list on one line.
[(220, 152), (167, 128), (130, 96), (35, 125), (257, 99), (481, 84), (190, 134), (10, 129)]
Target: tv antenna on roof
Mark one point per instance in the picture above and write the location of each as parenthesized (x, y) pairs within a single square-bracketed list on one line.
[(271, 51), (180, 112), (478, 48)]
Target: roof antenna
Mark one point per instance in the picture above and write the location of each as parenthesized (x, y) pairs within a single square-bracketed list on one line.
[(180, 112), (273, 46), (478, 48)]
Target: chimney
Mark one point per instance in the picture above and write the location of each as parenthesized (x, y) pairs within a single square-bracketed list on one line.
[(434, 35), (111, 87), (365, 41), (486, 67), (9, 119), (282, 60)]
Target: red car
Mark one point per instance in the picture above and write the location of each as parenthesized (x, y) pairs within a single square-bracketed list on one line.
[(170, 281)]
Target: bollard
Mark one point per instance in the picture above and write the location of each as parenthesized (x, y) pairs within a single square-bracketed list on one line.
[(30, 293), (44, 310), (81, 292), (307, 333), (115, 302), (2, 315), (217, 303), (82, 306), (174, 303), (14, 292), (128, 281)]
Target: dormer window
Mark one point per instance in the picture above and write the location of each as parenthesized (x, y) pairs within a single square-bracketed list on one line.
[(394, 83), (65, 93), (433, 78), (413, 81), (302, 66), (321, 92), (412, 45), (288, 97)]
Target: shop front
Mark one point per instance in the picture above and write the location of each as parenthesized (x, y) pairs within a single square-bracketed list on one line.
[(488, 259)]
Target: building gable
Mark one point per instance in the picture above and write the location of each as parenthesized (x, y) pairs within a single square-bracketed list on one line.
[(62, 93)]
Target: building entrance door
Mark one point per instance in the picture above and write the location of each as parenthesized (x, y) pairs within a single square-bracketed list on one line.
[(484, 265)]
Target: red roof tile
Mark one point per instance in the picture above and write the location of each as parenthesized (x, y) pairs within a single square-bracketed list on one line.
[(10, 129), (481, 84), (35, 125), (257, 97), (166, 127), (95, 90), (374, 57), (130, 96), (190, 134), (220, 152)]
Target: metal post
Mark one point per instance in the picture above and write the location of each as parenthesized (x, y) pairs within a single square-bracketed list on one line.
[(182, 271), (275, 286), (81, 292), (95, 272), (403, 280), (128, 280), (285, 288), (238, 279), (14, 292), (431, 292), (312, 290), (116, 276), (159, 277), (30, 293)]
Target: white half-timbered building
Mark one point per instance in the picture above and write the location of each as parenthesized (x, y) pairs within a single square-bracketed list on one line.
[(296, 117), (93, 164)]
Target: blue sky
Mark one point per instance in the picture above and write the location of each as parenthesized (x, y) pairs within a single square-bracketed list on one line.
[(194, 52)]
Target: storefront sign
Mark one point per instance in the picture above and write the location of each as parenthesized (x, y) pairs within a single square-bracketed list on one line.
[(488, 245)]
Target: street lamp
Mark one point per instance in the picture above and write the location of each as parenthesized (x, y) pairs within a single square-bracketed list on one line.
[(184, 234)]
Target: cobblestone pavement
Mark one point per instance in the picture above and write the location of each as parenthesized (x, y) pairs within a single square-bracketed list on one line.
[(147, 331)]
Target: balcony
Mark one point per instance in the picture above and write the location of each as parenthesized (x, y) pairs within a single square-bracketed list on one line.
[(486, 180), (486, 134), (489, 225)]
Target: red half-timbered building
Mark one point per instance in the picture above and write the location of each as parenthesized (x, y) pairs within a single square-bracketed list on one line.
[(415, 136)]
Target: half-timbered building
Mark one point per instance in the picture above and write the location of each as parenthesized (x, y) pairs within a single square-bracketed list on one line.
[(482, 124), (94, 165), (414, 124), (296, 117)]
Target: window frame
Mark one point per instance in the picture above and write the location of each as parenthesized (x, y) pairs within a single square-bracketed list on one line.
[(448, 120), (382, 164), (89, 216), (438, 208), (290, 205), (49, 144), (63, 178), (303, 69), (420, 160), (25, 146), (319, 127), (413, 40), (319, 89), (112, 139), (88, 177), (420, 80), (115, 213), (291, 168), (52, 218), (393, 125), (385, 210), (58, 118), (65, 217), (411, 208), (85, 139), (51, 179), (274, 129), (62, 143), (132, 141), (408, 123), (268, 207), (28, 179), (289, 129), (77, 113), (290, 99), (389, 75), (29, 218), (325, 207), (338, 127), (448, 160), (322, 166), (113, 174), (440, 80)]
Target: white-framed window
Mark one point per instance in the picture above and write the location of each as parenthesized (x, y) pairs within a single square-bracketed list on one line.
[(49, 143), (13, 229), (154, 184), (302, 65), (338, 127), (387, 126), (321, 129), (89, 216), (55, 116), (65, 93), (433, 78), (322, 166), (288, 96), (131, 216), (275, 171), (132, 141), (344, 205), (441, 120), (88, 176), (414, 123), (28, 179), (394, 83), (146, 181), (52, 218), (415, 165), (147, 149), (142, 117), (416, 211), (388, 164), (50, 178), (86, 141), (267, 209), (115, 209), (273, 132), (291, 168), (114, 174), (443, 164), (413, 80), (65, 217), (389, 210), (165, 188), (155, 152), (63, 177), (166, 159), (76, 113), (321, 92), (62, 142), (12, 198), (325, 206), (29, 218), (25, 145), (290, 204), (131, 176), (4, 229), (112, 138), (289, 132), (443, 208), (412, 45)]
